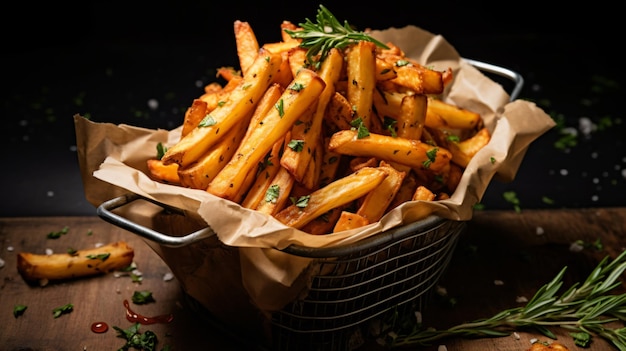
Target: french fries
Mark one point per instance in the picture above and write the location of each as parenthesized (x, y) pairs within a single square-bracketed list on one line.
[(323, 146), (82, 263)]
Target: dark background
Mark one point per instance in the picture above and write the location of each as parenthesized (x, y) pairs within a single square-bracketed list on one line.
[(108, 60)]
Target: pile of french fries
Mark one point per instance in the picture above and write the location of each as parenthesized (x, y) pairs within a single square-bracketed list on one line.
[(327, 148)]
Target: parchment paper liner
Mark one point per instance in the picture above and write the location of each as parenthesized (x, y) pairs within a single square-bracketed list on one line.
[(113, 162)]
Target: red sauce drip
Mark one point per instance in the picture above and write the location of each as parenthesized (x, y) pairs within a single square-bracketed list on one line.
[(135, 317), (99, 327)]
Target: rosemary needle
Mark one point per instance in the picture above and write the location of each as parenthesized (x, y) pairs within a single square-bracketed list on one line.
[(327, 33), (583, 309)]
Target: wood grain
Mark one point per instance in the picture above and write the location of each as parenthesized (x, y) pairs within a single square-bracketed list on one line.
[(522, 250)]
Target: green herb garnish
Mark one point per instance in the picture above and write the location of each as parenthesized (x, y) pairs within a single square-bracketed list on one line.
[(19, 310), (142, 297), (585, 309), (136, 340), (271, 195), (102, 256), (57, 234), (57, 312), (161, 150), (296, 145), (325, 34)]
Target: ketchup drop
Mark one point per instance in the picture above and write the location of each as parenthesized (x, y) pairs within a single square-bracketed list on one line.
[(135, 317), (99, 327)]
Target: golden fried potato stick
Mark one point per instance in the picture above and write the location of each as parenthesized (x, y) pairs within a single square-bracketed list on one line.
[(375, 203), (88, 262), (304, 90), (384, 70), (309, 132), (410, 122), (247, 45), (338, 193), (329, 167), (413, 153), (422, 193), (339, 113), (194, 114), (462, 151), (270, 166), (349, 220), (277, 194), (361, 70), (240, 102), (419, 79), (323, 224), (164, 173), (441, 114)]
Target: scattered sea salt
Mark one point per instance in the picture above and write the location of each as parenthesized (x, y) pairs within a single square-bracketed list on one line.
[(575, 247), (168, 276), (442, 348), (1, 263), (521, 299), (50, 193), (49, 251), (516, 336), (498, 282), (539, 231), (441, 291), (153, 104), (10, 248), (418, 317), (97, 245), (563, 172)]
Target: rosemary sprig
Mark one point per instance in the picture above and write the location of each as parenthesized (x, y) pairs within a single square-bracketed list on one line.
[(327, 33), (584, 310)]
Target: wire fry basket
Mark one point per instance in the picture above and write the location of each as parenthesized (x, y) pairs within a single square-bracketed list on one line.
[(352, 285)]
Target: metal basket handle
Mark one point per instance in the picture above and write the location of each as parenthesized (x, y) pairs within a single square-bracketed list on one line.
[(105, 209)]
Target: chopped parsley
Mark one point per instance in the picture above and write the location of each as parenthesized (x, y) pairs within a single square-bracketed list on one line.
[(431, 154), (136, 340), (511, 197), (161, 150), (57, 234), (296, 145), (19, 310), (271, 195), (207, 121), (280, 107), (361, 130), (102, 256), (142, 297), (302, 201), (57, 312)]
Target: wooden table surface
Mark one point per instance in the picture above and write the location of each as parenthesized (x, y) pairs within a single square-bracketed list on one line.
[(523, 251)]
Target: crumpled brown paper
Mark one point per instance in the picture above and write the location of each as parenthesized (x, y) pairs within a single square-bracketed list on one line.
[(113, 162)]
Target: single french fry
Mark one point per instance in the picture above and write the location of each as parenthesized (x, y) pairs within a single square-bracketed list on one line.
[(277, 194), (238, 105), (413, 153), (288, 26), (375, 203), (271, 166), (164, 173), (309, 132), (361, 70), (281, 46), (410, 121), (323, 224), (247, 45), (297, 60), (422, 193), (335, 194), (312, 174), (349, 220), (283, 75), (228, 73), (330, 165), (384, 70), (194, 114), (442, 114), (338, 113), (473, 144), (387, 103), (305, 89), (419, 79), (406, 191), (462, 151), (82, 263)]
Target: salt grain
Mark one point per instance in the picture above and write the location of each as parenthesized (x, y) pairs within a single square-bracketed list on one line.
[(563, 172), (498, 282), (539, 231), (521, 299), (168, 276), (575, 247), (10, 248), (516, 336), (49, 252), (50, 193), (153, 104), (442, 348), (1, 263)]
